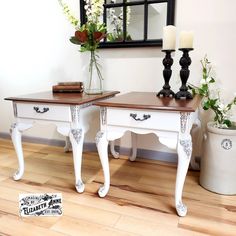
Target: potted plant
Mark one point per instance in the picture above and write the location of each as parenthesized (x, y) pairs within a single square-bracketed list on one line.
[(89, 35), (218, 163)]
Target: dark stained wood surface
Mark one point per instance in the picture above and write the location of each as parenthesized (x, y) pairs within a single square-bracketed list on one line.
[(62, 98), (148, 100)]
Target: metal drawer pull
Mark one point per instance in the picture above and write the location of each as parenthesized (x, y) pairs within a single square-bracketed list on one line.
[(145, 117), (45, 109)]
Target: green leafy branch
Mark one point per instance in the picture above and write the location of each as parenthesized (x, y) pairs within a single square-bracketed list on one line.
[(72, 19), (211, 98)]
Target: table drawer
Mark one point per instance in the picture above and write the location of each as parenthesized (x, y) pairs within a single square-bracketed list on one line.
[(143, 119), (42, 111)]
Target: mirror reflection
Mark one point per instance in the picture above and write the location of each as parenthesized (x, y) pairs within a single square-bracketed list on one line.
[(157, 14), (136, 22), (114, 24)]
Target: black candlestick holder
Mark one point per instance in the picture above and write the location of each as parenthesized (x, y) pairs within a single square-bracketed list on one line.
[(185, 62), (167, 62)]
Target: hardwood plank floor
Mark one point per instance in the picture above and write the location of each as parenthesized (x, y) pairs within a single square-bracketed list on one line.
[(140, 200)]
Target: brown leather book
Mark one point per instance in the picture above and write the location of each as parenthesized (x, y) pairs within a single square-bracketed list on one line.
[(70, 83), (67, 88), (67, 91)]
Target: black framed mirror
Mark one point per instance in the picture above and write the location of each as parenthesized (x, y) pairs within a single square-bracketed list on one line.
[(134, 23)]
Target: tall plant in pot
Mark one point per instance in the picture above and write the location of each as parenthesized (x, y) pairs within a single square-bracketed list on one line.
[(218, 163), (89, 35)]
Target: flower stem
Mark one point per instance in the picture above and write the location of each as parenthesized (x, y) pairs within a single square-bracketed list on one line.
[(91, 69), (94, 65)]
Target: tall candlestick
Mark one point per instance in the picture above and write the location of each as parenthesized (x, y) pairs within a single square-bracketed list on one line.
[(169, 37), (167, 62), (186, 39), (185, 62)]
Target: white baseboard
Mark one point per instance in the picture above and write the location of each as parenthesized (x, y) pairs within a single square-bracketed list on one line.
[(144, 153)]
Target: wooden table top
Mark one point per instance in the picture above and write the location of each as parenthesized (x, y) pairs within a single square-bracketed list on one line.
[(149, 100), (62, 98)]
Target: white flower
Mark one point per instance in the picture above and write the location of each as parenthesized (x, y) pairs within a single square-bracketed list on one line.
[(128, 13), (205, 81), (221, 106), (214, 94), (212, 98), (224, 110), (222, 126), (208, 79), (94, 9), (116, 22)]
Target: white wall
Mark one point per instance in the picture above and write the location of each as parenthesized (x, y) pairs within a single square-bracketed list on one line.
[(35, 53)]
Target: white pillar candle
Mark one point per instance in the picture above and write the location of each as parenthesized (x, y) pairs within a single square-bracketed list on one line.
[(186, 39), (169, 37)]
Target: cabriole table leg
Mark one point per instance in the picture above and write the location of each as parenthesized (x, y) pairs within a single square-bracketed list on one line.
[(77, 139), (102, 144)]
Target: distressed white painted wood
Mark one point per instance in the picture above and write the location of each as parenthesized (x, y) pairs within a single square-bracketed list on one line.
[(68, 122), (71, 113), (172, 128), (120, 118), (184, 150), (134, 146), (114, 153), (53, 112), (102, 143), (197, 135), (77, 139), (68, 146), (16, 133)]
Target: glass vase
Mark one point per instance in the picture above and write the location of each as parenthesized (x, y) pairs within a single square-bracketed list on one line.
[(94, 78)]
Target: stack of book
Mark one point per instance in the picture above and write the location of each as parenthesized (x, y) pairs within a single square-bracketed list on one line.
[(68, 87)]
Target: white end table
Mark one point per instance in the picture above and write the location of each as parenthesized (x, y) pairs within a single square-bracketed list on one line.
[(62, 109), (142, 113)]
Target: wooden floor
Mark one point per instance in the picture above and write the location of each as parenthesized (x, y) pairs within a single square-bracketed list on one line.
[(140, 200)]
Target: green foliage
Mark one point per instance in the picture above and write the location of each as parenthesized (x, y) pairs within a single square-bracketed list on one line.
[(73, 20), (92, 32), (74, 40), (118, 37), (92, 43), (211, 98)]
